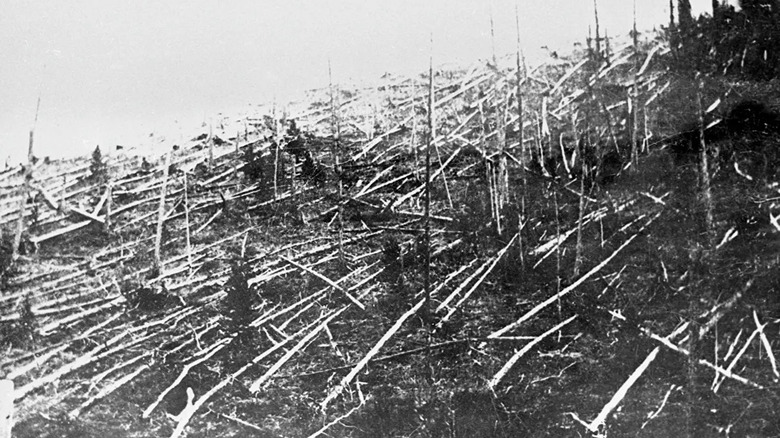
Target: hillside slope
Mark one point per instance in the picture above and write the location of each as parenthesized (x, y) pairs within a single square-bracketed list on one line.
[(291, 295)]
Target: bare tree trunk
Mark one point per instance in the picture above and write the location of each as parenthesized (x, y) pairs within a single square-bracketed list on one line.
[(499, 175), (690, 373), (672, 31), (519, 96), (539, 143), (503, 170), (645, 129), (589, 41), (494, 200), (211, 148), (696, 269), (293, 166), (161, 216), (25, 190), (428, 142), (581, 210), (521, 140), (277, 145), (414, 133), (635, 99), (19, 223), (485, 160), (493, 38), (109, 202), (336, 131), (705, 168), (187, 221), (598, 31), (544, 136), (235, 160), (500, 114)]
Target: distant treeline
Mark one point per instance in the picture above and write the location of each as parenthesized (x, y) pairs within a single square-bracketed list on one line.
[(743, 43)]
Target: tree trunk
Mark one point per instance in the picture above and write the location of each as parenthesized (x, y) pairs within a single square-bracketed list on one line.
[(109, 195), (521, 140), (428, 142), (336, 131), (211, 149), (22, 203), (598, 31), (161, 217), (705, 170), (684, 16)]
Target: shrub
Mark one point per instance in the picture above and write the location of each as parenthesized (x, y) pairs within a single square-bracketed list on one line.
[(392, 256), (254, 164), (19, 333), (241, 297), (98, 171), (149, 298), (6, 252)]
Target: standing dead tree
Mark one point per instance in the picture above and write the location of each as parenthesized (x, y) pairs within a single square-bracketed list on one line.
[(237, 154), (25, 189), (500, 113), (161, 217), (520, 139), (598, 32), (428, 143), (276, 145), (581, 141), (210, 141), (634, 109), (109, 206), (334, 150), (502, 172), (413, 141), (705, 168)]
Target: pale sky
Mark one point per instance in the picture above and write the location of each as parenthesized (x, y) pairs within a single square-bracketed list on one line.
[(111, 72)]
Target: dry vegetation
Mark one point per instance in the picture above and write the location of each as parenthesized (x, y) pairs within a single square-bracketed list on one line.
[(575, 287)]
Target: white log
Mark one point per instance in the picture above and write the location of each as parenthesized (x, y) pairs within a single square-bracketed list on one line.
[(338, 389), (515, 357), (560, 294), (613, 403), (325, 279)]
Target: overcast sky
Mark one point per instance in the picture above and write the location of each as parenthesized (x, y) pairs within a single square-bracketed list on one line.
[(111, 72)]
